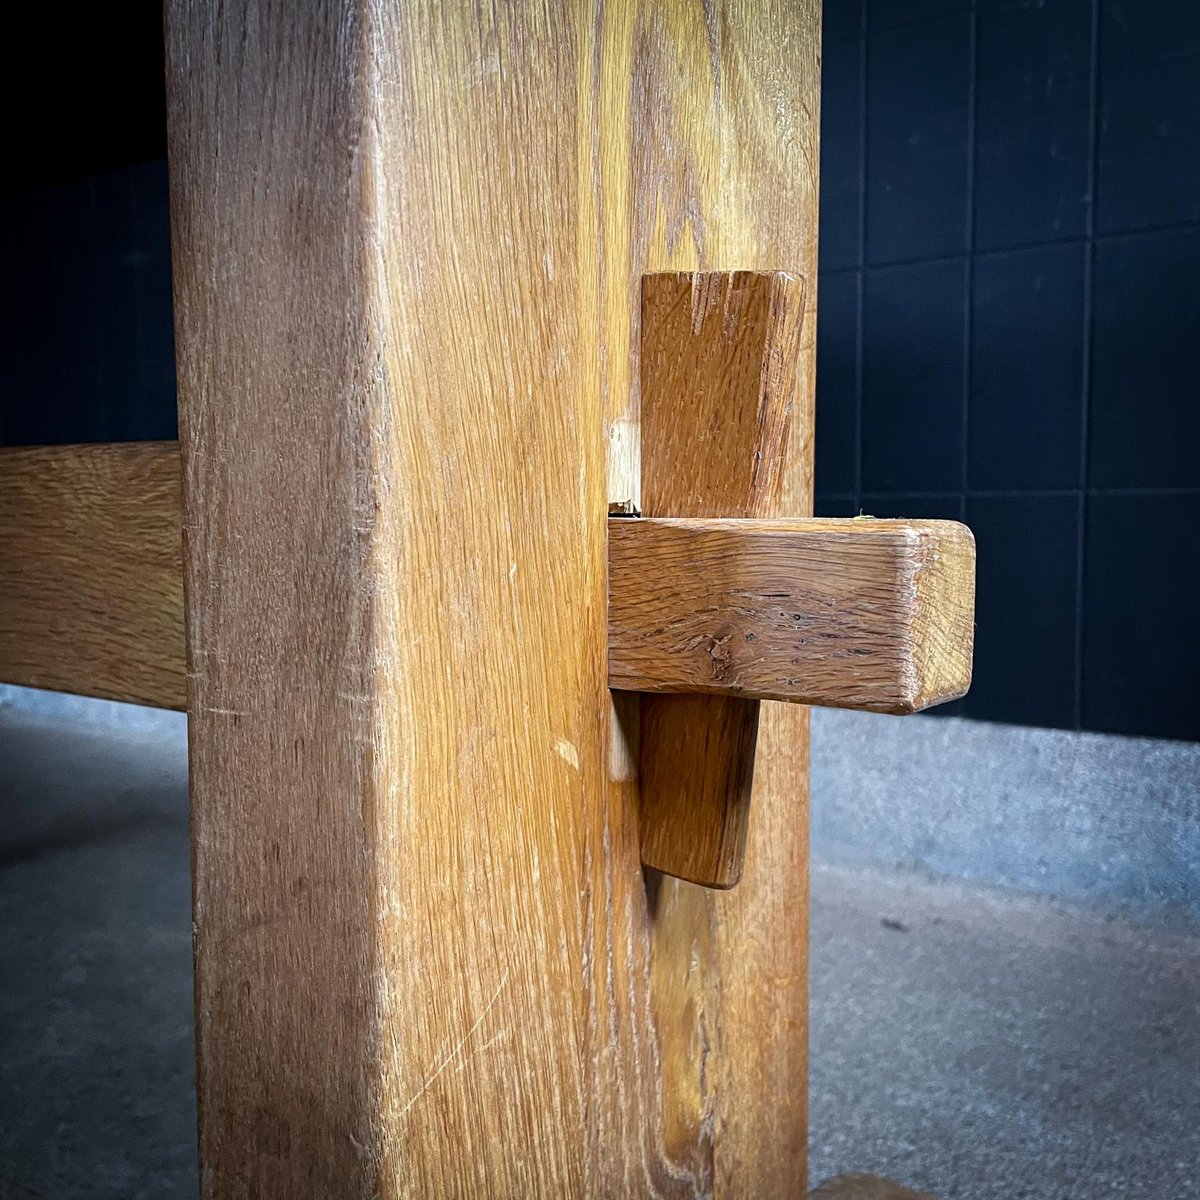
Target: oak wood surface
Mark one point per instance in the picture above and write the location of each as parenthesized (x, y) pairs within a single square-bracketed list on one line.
[(720, 364), (407, 249), (91, 577), (725, 133), (711, 763), (869, 614), (719, 358)]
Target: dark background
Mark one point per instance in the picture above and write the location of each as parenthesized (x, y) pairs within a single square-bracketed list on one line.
[(1009, 330), (1009, 313), (86, 341)]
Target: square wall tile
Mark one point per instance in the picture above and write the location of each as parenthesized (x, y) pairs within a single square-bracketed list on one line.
[(1027, 576), (918, 108), (1025, 412), (836, 451), (1033, 122), (1141, 636), (1149, 153), (913, 378), (841, 19), (841, 155), (1145, 403)]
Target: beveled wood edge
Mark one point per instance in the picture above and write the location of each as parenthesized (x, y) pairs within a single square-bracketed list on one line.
[(925, 627)]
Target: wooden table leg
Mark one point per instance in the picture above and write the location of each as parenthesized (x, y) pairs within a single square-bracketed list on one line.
[(408, 245)]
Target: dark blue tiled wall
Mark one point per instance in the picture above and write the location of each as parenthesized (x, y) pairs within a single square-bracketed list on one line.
[(1149, 152), (918, 130), (1027, 358), (912, 385), (1010, 330)]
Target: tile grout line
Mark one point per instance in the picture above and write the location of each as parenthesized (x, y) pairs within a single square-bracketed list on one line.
[(969, 264), (1089, 272), (1024, 247), (860, 290)]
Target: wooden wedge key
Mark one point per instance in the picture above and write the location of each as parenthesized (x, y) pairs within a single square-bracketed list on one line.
[(718, 370), (718, 599)]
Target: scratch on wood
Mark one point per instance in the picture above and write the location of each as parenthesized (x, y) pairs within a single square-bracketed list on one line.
[(458, 1048)]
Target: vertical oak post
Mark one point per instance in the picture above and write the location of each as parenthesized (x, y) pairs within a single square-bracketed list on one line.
[(408, 242)]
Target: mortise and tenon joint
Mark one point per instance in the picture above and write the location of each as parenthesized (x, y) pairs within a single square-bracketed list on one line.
[(719, 597)]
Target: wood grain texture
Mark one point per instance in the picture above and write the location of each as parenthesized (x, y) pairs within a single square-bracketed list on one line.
[(407, 246), (719, 358), (720, 364), (711, 763), (725, 122), (91, 577), (866, 614)]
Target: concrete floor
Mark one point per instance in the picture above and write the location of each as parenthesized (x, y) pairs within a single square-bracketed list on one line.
[(96, 1056), (972, 1044), (983, 1046)]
